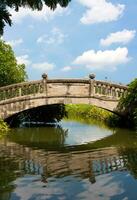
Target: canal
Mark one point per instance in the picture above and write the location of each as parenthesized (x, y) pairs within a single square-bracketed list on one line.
[(70, 161)]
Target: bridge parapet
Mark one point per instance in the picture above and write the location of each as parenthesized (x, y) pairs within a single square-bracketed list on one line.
[(64, 87), (109, 89), (21, 89)]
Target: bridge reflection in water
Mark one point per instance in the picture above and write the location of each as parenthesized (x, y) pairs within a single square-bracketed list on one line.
[(17, 160), (87, 164), (45, 156)]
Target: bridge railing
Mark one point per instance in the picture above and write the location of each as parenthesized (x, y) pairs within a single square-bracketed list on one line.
[(21, 89), (95, 88), (109, 89)]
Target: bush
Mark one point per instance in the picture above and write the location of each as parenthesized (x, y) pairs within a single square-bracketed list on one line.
[(128, 105), (3, 128), (91, 113)]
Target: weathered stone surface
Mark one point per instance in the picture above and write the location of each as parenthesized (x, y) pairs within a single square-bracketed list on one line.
[(19, 97)]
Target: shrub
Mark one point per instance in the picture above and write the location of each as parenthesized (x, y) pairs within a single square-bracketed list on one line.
[(128, 105), (3, 128)]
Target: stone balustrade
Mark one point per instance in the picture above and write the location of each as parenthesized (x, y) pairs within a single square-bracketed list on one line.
[(21, 89), (64, 87), (109, 89)]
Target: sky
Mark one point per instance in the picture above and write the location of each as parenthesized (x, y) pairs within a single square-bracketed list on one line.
[(89, 36)]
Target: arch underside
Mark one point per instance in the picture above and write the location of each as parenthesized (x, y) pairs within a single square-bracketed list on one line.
[(17, 105)]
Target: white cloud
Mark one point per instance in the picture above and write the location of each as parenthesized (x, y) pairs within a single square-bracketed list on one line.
[(24, 59), (66, 69), (45, 14), (55, 37), (103, 60), (15, 43), (101, 11), (45, 66), (123, 37)]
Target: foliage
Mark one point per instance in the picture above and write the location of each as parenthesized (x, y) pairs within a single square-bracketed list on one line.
[(3, 128), (5, 16), (128, 105), (10, 71), (90, 113)]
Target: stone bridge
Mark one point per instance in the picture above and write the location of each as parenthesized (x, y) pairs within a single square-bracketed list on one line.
[(24, 96)]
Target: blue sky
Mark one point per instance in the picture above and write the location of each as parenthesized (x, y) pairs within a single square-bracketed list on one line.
[(89, 36)]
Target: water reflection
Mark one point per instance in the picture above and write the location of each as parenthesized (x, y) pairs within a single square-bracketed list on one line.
[(47, 138), (31, 169), (54, 138)]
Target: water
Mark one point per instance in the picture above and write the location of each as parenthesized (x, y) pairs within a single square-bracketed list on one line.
[(74, 161)]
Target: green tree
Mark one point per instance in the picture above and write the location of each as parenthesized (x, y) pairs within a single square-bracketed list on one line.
[(5, 16), (10, 71), (128, 105)]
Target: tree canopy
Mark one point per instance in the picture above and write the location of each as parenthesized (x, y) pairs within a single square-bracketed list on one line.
[(10, 71), (5, 16), (128, 105)]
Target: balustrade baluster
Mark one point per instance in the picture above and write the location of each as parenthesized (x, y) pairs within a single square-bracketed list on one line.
[(95, 88), (117, 93), (6, 93), (2, 95), (108, 91), (35, 86), (33, 89), (30, 89), (12, 92), (39, 88), (20, 91), (120, 94), (113, 92), (99, 89), (103, 89), (25, 90)]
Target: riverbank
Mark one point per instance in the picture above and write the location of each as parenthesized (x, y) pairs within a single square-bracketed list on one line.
[(92, 114)]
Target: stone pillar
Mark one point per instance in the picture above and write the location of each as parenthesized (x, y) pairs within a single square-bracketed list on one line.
[(45, 78), (91, 84)]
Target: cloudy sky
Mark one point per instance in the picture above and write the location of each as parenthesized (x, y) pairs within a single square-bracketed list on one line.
[(89, 36)]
